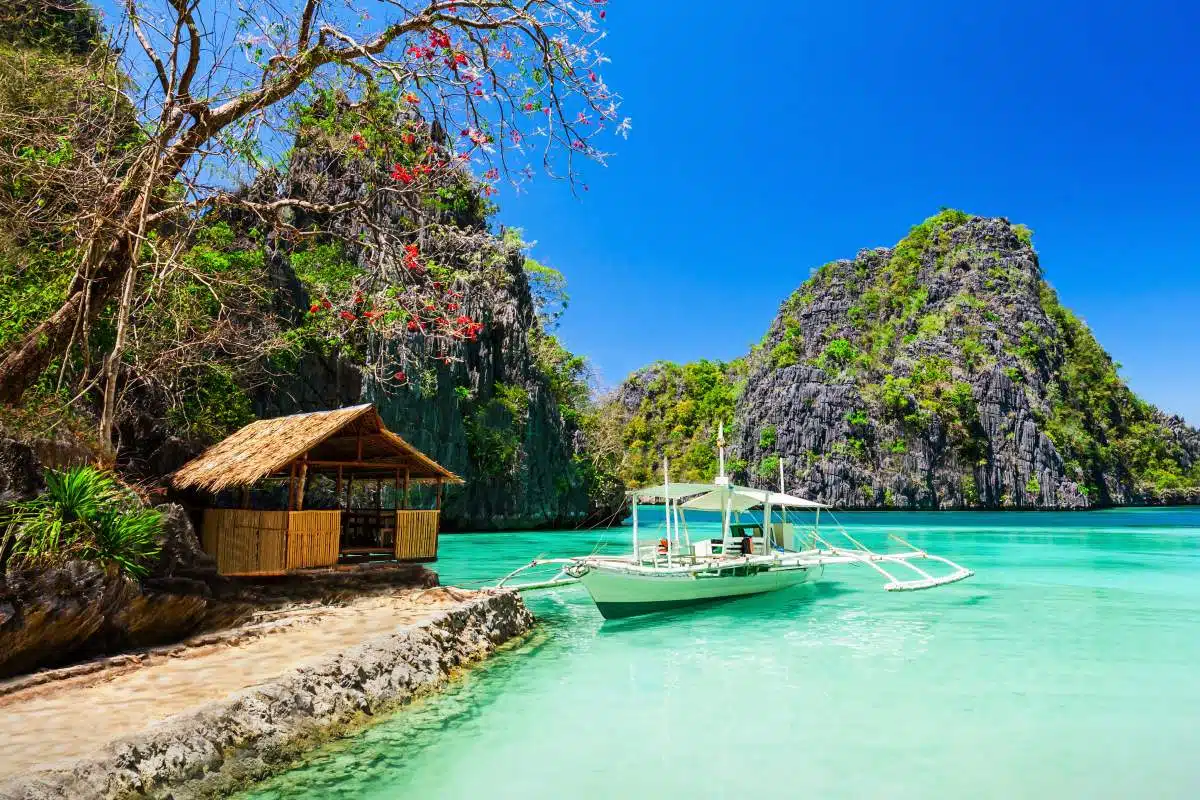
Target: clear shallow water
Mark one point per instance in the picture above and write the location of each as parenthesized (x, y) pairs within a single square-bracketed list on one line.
[(1066, 668)]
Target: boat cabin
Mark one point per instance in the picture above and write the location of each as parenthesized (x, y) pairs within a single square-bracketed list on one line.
[(738, 537), (315, 490)]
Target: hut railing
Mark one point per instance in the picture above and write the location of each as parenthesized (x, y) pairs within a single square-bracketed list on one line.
[(313, 538), (246, 541), (417, 535), (253, 542)]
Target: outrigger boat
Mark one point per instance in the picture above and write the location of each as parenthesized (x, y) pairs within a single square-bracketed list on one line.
[(753, 557)]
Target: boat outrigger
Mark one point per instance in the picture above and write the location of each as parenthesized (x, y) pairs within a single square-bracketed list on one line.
[(761, 555)]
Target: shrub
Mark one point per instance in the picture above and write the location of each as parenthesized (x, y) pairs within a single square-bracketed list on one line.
[(858, 418), (84, 513), (766, 439), (768, 468), (838, 354)]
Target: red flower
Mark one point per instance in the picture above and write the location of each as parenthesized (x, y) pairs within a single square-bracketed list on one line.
[(400, 376), (411, 98), (460, 58), (358, 141), (529, 106), (401, 174), (325, 304), (603, 14), (346, 315), (408, 139), (592, 76), (413, 325), (314, 308), (452, 306)]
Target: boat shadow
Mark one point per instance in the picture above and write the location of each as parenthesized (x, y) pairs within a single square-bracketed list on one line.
[(785, 602)]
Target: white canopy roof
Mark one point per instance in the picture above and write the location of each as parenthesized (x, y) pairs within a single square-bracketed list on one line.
[(742, 498), (711, 496), (677, 491)]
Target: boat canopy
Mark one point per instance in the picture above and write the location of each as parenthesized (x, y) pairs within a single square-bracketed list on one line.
[(742, 498), (711, 496), (673, 491)]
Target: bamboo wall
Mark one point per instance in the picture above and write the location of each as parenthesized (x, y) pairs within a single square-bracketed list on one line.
[(416, 535), (313, 538), (251, 542), (245, 541)]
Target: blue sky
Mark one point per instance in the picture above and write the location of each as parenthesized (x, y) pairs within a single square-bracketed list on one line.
[(770, 139)]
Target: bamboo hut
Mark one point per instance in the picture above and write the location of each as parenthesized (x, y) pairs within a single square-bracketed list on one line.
[(346, 449)]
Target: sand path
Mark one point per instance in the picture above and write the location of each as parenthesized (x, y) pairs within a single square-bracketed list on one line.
[(65, 720)]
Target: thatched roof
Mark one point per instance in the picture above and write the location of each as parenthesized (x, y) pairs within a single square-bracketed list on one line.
[(354, 438)]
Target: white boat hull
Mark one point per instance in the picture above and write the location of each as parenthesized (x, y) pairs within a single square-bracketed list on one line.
[(619, 593)]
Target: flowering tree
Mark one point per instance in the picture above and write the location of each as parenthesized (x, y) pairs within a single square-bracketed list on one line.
[(494, 88)]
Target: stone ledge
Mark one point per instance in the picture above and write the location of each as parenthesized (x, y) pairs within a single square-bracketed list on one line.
[(221, 746)]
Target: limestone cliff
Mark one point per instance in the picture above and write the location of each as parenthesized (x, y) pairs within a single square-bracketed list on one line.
[(940, 373), (496, 413)]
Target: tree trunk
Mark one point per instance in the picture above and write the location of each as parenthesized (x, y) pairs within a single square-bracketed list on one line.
[(112, 365), (25, 360)]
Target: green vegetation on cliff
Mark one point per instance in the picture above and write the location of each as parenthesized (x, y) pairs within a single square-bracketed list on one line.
[(674, 410)]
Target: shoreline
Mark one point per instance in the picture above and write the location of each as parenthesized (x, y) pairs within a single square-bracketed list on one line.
[(216, 746)]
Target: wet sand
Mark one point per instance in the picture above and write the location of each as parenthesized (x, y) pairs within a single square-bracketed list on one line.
[(65, 720)]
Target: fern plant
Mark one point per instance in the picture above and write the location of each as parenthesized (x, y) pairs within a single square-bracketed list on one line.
[(84, 513)]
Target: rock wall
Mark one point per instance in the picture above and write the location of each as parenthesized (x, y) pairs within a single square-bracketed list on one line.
[(440, 402), (939, 373), (227, 744)]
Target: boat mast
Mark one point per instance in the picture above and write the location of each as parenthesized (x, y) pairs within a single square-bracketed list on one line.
[(723, 482), (783, 509), (637, 559), (667, 492)]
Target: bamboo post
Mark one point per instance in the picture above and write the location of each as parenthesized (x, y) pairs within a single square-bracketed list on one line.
[(245, 497), (292, 487), (300, 485)]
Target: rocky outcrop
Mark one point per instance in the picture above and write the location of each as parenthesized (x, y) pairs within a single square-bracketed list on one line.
[(943, 373), (217, 748), (940, 373)]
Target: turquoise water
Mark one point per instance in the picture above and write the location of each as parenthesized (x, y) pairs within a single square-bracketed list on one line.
[(1066, 668)]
